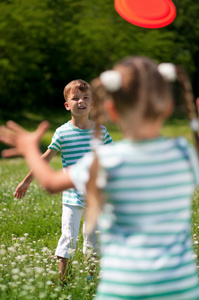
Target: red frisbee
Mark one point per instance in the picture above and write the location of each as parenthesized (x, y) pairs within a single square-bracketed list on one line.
[(147, 13)]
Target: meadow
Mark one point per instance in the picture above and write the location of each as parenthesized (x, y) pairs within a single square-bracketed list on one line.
[(31, 227)]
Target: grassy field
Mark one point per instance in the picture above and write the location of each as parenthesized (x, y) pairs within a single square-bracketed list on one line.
[(30, 229)]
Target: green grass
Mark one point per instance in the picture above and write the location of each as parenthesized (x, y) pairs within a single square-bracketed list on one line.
[(31, 227)]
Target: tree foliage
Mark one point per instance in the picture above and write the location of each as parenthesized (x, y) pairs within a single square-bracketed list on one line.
[(45, 44)]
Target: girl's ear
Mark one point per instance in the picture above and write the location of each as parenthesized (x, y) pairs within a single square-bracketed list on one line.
[(111, 110), (66, 106)]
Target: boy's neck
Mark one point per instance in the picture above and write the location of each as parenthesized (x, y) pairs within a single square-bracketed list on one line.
[(83, 123)]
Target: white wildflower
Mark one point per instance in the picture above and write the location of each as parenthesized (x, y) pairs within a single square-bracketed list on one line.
[(3, 287), (15, 271), (45, 249), (11, 249), (52, 272), (2, 252), (89, 252), (71, 251), (42, 295), (28, 287), (21, 257), (39, 270), (13, 284), (28, 270)]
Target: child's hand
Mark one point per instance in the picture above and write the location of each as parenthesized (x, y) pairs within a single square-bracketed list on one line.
[(21, 190), (21, 140)]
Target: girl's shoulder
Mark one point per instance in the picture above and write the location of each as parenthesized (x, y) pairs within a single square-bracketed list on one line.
[(182, 141), (112, 155), (184, 145)]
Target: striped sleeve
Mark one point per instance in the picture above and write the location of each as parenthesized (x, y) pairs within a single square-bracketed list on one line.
[(56, 142), (195, 163), (190, 152), (106, 138)]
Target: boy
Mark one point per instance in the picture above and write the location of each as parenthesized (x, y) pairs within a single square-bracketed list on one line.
[(73, 140)]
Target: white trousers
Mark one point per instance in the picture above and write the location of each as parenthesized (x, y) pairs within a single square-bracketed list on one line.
[(71, 217)]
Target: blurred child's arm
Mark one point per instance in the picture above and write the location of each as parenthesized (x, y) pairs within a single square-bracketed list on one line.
[(26, 144), (24, 184)]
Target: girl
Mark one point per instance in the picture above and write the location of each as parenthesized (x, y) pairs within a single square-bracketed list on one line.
[(146, 179)]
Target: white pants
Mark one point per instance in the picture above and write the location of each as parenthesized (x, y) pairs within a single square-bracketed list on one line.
[(71, 217)]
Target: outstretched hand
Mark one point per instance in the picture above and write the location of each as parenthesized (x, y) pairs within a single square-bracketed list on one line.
[(20, 139)]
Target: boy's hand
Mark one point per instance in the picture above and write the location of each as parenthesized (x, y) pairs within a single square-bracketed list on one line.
[(21, 190), (21, 140)]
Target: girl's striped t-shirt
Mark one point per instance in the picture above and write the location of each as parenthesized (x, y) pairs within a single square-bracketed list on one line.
[(146, 222), (73, 144)]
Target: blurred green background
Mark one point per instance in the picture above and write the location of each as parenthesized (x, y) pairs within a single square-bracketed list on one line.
[(45, 44)]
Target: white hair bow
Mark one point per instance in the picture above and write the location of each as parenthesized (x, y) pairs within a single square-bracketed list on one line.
[(168, 71), (111, 80)]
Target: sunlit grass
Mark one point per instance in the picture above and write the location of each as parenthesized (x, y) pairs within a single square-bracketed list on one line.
[(30, 229)]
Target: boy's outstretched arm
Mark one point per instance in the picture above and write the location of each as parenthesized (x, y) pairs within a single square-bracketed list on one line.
[(25, 183), (25, 144)]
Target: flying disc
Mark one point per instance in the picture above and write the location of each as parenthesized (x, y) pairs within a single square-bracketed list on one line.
[(147, 13)]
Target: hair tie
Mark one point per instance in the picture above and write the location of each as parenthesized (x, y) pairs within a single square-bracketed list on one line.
[(168, 71), (194, 125), (111, 80)]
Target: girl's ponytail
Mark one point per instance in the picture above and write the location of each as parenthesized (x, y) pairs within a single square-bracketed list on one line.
[(171, 72), (189, 102), (93, 199)]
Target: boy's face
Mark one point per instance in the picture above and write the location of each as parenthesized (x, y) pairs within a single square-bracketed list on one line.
[(79, 103)]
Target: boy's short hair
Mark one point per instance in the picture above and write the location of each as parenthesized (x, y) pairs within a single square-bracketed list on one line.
[(76, 84)]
